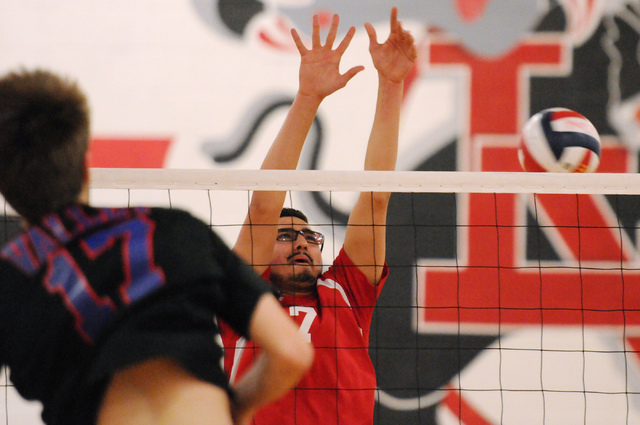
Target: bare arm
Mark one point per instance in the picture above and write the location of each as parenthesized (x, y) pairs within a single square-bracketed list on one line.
[(365, 236), (319, 77), (284, 359)]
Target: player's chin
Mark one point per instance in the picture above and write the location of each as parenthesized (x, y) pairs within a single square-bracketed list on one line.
[(303, 273), (310, 271), (304, 281)]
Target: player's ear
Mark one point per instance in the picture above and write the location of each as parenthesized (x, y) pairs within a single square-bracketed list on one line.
[(83, 196), (85, 172)]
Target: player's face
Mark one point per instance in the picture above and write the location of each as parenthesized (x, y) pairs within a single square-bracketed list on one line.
[(297, 257)]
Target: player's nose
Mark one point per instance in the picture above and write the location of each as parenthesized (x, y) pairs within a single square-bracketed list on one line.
[(301, 242)]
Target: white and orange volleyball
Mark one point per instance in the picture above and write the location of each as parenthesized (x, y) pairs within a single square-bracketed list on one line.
[(559, 140)]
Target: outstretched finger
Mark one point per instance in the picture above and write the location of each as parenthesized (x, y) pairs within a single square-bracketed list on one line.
[(299, 44), (371, 32), (346, 41), (331, 37), (394, 19), (315, 37)]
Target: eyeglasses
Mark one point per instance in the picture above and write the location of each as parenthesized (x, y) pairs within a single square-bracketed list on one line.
[(290, 235)]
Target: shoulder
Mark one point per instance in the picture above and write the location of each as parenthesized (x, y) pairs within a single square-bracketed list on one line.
[(343, 262), (176, 220), (169, 214), (345, 276), (182, 227), (343, 259), (343, 267), (343, 272)]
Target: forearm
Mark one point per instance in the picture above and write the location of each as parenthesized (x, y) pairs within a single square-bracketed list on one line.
[(364, 244), (285, 357), (255, 241), (263, 384), (284, 154), (319, 77), (287, 146), (382, 148)]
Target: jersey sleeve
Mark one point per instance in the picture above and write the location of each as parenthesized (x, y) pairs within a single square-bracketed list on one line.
[(241, 287), (362, 295), (190, 250)]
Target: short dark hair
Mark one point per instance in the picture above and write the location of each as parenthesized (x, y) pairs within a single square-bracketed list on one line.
[(44, 138), (292, 212)]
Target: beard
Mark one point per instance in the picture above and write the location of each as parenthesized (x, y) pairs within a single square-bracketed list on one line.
[(295, 283)]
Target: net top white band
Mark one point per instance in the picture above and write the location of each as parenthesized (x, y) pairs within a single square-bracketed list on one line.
[(367, 181)]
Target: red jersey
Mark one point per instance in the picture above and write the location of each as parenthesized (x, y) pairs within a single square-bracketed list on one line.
[(340, 387)]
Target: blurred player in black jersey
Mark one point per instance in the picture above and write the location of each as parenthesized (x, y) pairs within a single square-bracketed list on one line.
[(107, 315)]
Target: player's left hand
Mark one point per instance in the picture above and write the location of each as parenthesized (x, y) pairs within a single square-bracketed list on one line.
[(395, 57)]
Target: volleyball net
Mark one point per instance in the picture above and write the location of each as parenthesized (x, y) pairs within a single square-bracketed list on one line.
[(511, 297)]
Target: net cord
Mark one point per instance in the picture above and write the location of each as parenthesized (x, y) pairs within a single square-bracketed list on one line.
[(369, 181)]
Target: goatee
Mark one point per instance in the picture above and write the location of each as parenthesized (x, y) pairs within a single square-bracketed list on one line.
[(303, 282)]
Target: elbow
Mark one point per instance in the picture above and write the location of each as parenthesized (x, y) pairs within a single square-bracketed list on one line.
[(301, 358), (381, 198), (297, 359), (307, 356), (264, 207), (380, 201)]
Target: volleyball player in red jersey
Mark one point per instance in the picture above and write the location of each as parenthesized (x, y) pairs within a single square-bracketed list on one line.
[(334, 308)]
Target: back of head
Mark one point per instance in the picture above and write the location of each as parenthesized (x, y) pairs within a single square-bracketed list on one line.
[(44, 137)]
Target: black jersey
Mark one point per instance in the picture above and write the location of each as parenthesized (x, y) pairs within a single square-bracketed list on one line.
[(88, 291)]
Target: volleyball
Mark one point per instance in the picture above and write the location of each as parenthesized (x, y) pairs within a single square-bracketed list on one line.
[(559, 140)]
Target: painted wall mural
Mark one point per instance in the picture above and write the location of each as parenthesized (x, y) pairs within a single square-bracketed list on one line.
[(206, 84)]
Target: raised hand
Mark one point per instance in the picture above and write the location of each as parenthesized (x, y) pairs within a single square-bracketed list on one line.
[(395, 57), (319, 67)]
